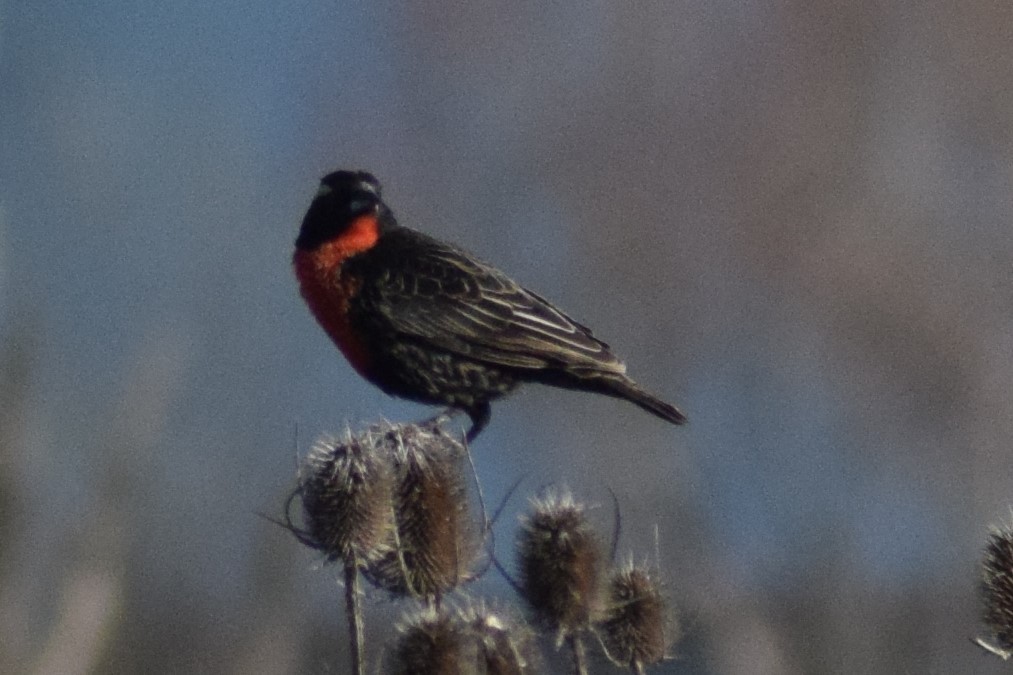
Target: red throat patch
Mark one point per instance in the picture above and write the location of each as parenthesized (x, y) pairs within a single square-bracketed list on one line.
[(329, 293)]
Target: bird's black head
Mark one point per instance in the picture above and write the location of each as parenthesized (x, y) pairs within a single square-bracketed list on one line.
[(343, 196)]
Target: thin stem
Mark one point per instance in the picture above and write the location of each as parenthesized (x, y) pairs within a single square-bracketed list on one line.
[(353, 610), (579, 656)]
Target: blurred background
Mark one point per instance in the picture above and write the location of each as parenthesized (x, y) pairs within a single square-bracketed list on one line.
[(791, 218)]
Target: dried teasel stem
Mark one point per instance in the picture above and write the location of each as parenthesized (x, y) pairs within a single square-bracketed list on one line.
[(353, 610), (576, 645), (344, 486)]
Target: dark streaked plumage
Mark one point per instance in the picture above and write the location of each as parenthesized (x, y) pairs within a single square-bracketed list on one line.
[(426, 321)]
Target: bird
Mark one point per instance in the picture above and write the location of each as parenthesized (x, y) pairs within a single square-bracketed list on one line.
[(426, 321)]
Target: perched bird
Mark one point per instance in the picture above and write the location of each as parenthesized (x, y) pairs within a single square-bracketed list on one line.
[(424, 320)]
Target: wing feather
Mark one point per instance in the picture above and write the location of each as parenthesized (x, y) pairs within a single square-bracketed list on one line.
[(445, 297)]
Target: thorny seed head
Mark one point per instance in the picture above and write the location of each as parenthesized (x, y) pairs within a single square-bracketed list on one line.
[(636, 628), (433, 547), (430, 642), (468, 641), (559, 559), (997, 587), (504, 646), (345, 488)]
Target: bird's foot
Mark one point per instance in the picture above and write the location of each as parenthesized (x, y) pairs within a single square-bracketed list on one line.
[(441, 418)]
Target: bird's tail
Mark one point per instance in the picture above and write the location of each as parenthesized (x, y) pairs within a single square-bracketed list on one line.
[(623, 387)]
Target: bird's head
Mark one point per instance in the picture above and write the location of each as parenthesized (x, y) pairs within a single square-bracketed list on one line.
[(343, 197)]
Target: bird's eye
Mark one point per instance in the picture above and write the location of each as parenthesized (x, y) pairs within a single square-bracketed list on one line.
[(361, 205)]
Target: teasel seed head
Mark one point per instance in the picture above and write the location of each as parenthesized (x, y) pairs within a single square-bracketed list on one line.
[(472, 640), (504, 645), (997, 591), (434, 546), (559, 558), (345, 486), (636, 628), (430, 642)]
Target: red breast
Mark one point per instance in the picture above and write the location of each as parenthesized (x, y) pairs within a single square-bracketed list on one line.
[(328, 292)]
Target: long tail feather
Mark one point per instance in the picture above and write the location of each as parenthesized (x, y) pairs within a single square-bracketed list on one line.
[(627, 389)]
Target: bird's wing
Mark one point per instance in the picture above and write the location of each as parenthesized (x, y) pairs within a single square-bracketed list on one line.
[(438, 294)]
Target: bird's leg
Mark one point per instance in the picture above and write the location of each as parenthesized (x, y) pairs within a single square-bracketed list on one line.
[(479, 415)]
